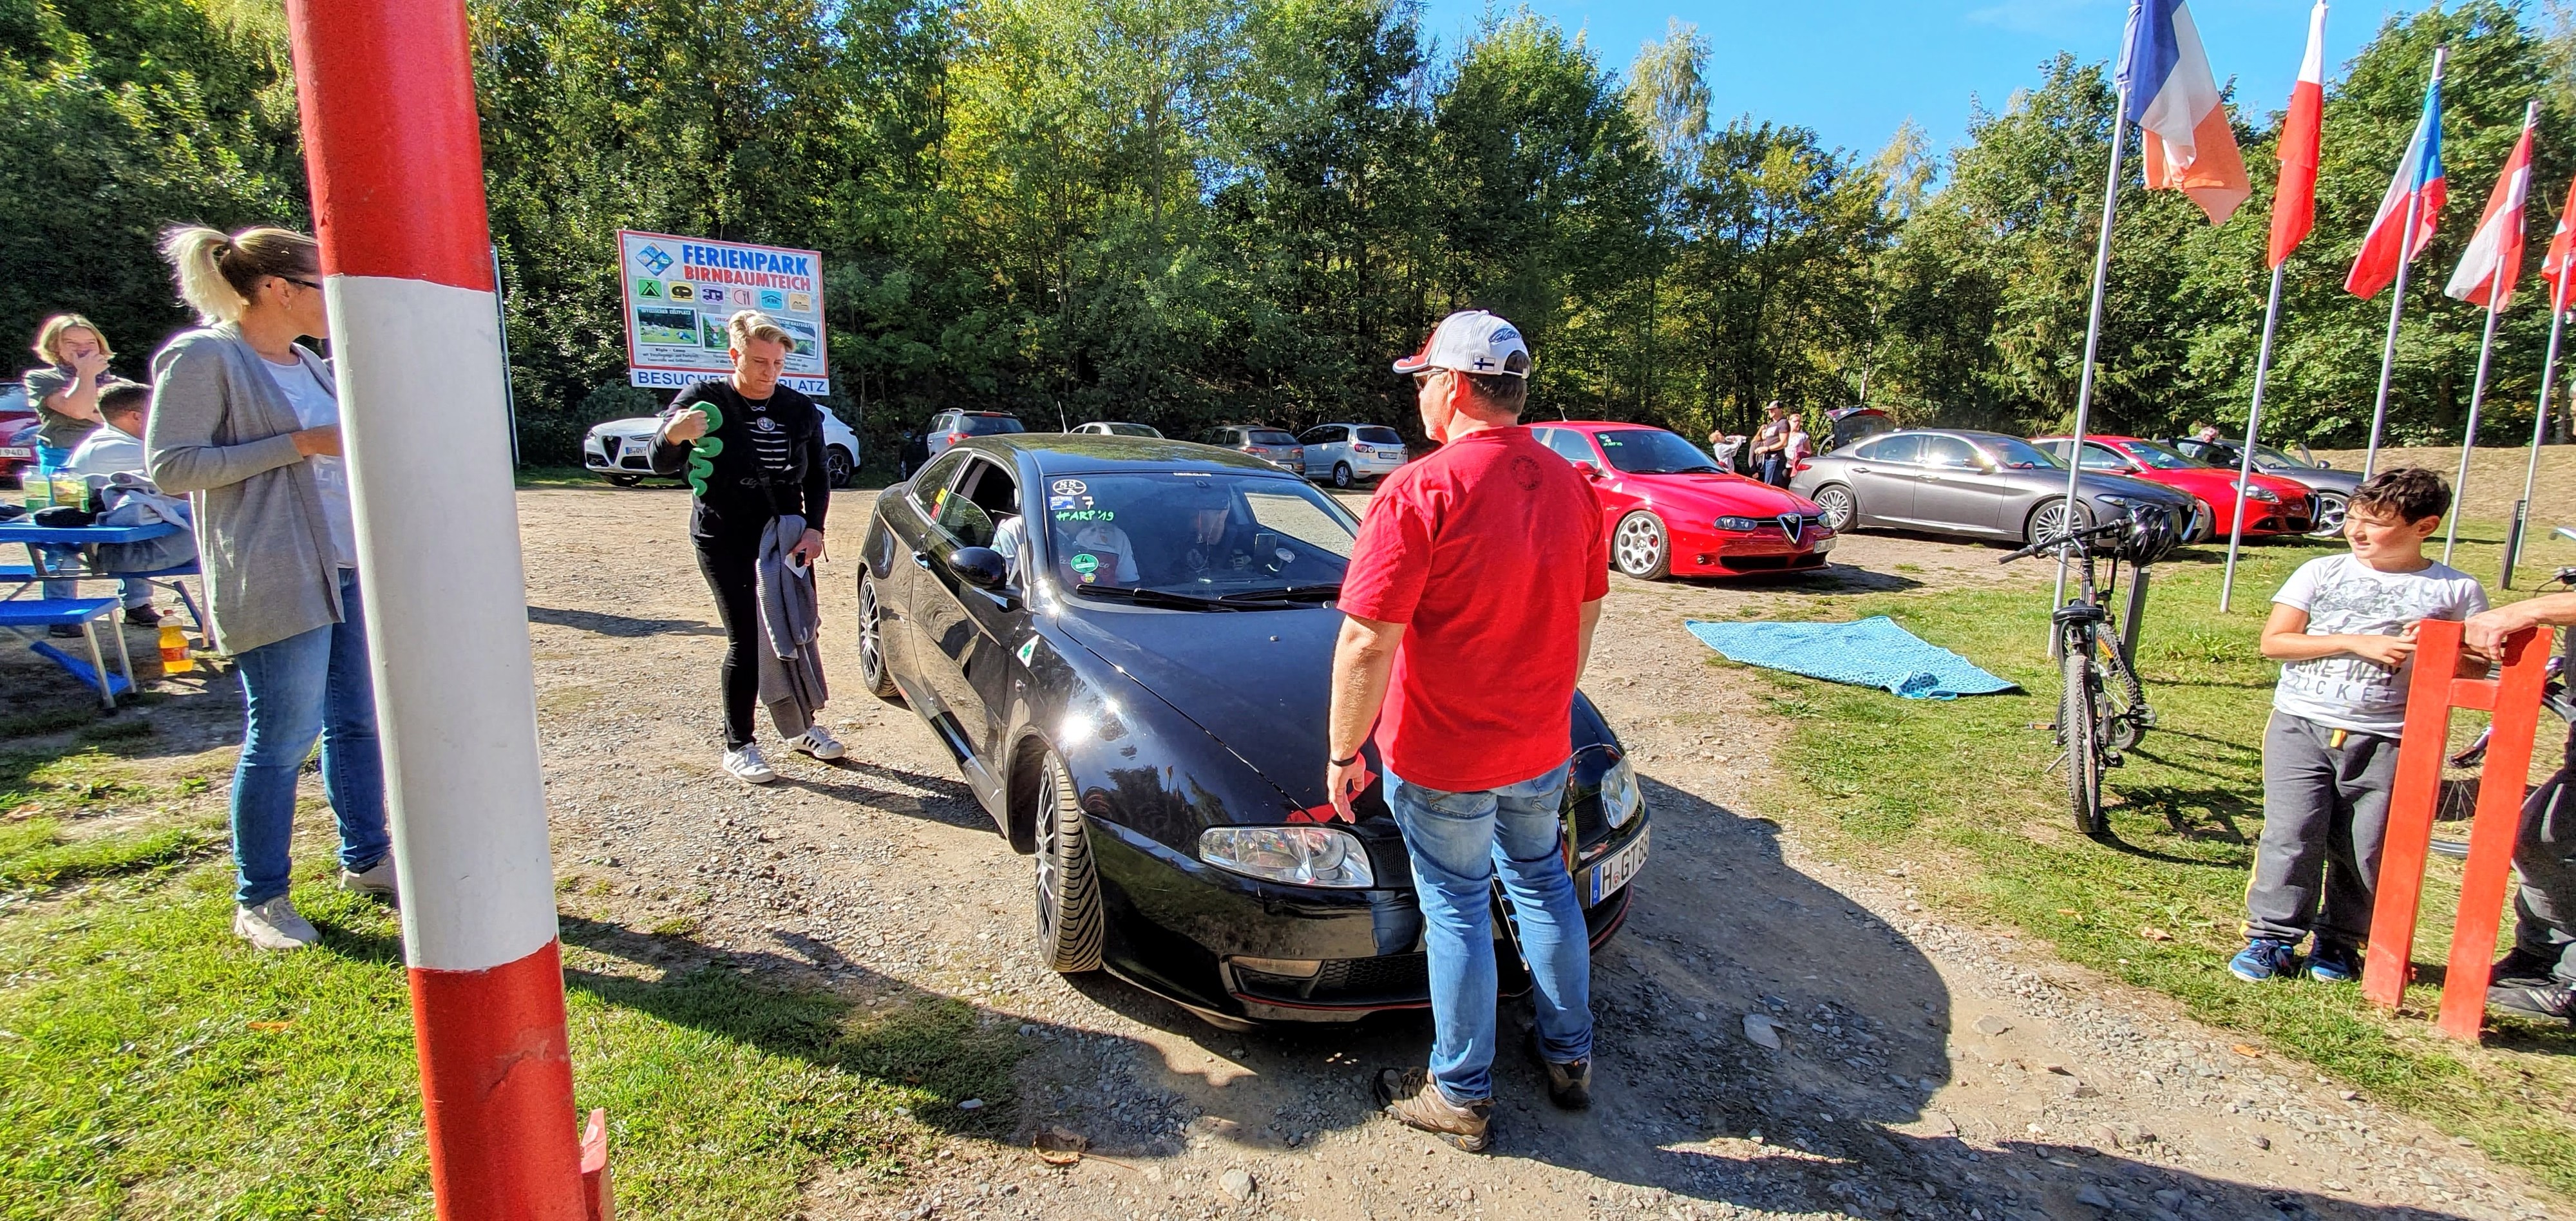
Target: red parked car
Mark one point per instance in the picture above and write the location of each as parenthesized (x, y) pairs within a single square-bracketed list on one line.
[(1667, 509), (17, 437), (2273, 505)]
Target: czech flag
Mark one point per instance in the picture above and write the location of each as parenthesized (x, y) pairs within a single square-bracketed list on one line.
[(2493, 263), (2555, 265), (2419, 182), (2189, 146), (2294, 202)]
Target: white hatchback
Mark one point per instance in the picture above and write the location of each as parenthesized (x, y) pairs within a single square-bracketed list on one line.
[(621, 451), (1346, 454)]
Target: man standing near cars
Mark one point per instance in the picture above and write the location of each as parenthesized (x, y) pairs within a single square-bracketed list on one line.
[(1771, 447), (1470, 599), (753, 450)]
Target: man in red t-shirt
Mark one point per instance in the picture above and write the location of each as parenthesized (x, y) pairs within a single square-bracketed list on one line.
[(1471, 597)]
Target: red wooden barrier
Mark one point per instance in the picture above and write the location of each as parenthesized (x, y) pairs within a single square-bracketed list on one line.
[(2514, 697)]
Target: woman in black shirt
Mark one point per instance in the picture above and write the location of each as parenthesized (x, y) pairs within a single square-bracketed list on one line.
[(753, 452)]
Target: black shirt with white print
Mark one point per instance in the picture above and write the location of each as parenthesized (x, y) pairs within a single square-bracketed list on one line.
[(771, 462)]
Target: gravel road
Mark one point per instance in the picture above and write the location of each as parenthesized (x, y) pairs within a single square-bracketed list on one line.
[(1922, 1069)]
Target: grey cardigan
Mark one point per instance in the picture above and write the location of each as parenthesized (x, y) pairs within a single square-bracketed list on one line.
[(220, 431)]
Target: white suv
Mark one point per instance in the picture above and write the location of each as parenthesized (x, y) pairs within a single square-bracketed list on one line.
[(1349, 453), (621, 451)]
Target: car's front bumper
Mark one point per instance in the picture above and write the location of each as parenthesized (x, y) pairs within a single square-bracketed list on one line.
[(1769, 549)]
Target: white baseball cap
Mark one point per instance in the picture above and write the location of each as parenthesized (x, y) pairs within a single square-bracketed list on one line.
[(1471, 341)]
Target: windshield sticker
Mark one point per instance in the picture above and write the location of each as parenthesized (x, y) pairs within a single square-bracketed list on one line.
[(1060, 504), (939, 502), (1086, 564), (1068, 487), (1088, 515), (1028, 650)]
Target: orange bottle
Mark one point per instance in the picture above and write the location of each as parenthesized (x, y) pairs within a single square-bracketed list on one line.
[(174, 650)]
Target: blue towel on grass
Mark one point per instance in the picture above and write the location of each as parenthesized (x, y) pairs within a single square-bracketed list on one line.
[(1870, 653)]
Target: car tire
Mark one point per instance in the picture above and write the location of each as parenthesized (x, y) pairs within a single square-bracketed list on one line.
[(1342, 476), (838, 466), (1070, 922), (623, 481), (1641, 547), (1837, 506), (873, 673), (2209, 522), (2047, 521)]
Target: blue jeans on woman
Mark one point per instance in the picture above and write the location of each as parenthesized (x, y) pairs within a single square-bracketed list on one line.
[(307, 686), (1458, 841)]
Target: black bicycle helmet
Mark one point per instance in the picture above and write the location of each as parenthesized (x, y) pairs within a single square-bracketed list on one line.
[(2149, 538)]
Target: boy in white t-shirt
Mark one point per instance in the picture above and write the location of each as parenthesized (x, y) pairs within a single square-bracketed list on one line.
[(2344, 627)]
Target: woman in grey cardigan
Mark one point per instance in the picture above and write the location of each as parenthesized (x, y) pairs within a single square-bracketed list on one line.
[(246, 421)]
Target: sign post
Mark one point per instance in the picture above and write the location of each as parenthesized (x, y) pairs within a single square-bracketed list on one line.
[(678, 293)]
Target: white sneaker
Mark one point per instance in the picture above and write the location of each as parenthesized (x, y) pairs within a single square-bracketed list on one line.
[(747, 765), (376, 883), (818, 742), (274, 926)]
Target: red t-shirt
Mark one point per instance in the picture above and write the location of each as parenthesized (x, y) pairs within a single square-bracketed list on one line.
[(1486, 551)]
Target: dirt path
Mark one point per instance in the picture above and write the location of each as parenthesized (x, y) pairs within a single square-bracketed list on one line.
[(1924, 1070)]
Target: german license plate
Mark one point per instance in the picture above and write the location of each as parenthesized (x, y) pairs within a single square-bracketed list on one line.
[(1605, 879), (18, 453)]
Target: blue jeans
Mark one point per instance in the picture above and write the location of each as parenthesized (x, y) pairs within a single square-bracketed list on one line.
[(131, 591), (1458, 841), (311, 685)]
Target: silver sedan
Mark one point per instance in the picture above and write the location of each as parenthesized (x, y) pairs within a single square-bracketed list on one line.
[(1978, 484)]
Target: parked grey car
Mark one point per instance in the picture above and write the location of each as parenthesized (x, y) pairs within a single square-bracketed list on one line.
[(1980, 484), (2333, 488)]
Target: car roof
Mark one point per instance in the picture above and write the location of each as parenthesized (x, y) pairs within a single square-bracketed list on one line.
[(1965, 434), (1596, 424), (2094, 436), (1103, 453)]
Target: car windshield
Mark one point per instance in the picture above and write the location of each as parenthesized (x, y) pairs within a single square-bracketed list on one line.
[(1271, 436), (1130, 430), (1203, 535), (2015, 454), (1652, 451), (987, 425), (2161, 457), (1378, 436), (2276, 460)]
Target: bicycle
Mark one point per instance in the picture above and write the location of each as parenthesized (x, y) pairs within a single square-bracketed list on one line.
[(2103, 712)]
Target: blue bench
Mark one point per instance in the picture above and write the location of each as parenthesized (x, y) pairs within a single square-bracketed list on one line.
[(20, 614)]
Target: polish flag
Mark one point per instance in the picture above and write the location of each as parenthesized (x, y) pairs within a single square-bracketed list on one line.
[(2493, 262), (2554, 266), (2419, 183), (2294, 202), (2174, 100)]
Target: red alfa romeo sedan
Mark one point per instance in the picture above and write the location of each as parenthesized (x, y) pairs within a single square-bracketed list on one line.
[(2273, 505), (1668, 510)]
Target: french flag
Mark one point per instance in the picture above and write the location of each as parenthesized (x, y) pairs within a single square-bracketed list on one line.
[(2294, 201), (2493, 263), (2174, 100), (2419, 183)]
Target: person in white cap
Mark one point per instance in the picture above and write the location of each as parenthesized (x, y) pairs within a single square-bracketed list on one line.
[(1470, 601)]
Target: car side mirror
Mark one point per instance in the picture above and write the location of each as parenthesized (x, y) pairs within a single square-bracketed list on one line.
[(1589, 471), (981, 567), (2324, 465)]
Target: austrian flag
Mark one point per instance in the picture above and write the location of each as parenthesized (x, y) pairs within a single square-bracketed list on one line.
[(2174, 100)]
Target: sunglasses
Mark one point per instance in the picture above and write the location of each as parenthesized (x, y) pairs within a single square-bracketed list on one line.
[(306, 283)]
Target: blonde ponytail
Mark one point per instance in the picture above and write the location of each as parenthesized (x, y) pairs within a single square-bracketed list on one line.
[(217, 273)]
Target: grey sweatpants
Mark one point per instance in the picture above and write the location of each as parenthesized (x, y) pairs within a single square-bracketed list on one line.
[(2545, 855), (2325, 814)]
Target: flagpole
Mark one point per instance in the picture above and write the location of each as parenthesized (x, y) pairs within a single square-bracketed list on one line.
[(2406, 251), (2253, 436), (2093, 326), (2469, 440), (2539, 430)]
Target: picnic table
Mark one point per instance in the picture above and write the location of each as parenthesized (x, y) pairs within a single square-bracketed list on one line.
[(23, 613)]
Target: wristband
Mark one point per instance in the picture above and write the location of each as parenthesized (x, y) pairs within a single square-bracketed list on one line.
[(1345, 762)]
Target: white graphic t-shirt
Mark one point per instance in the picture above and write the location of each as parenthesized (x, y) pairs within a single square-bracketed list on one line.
[(2344, 596)]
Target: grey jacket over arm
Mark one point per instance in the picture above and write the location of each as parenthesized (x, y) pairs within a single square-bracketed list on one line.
[(220, 431)]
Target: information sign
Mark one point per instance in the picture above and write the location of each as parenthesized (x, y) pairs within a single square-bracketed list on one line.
[(678, 292)]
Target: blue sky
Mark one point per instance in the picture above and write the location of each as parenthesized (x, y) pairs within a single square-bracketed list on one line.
[(1854, 69)]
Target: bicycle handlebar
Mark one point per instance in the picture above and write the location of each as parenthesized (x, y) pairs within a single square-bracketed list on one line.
[(2065, 540)]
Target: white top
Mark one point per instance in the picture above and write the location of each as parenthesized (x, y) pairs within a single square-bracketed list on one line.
[(315, 408), (2344, 596), (105, 451)]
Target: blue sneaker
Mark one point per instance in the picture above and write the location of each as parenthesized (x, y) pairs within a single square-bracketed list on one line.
[(2333, 962), (2264, 958)]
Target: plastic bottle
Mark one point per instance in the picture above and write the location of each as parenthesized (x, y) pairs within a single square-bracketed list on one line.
[(38, 488), (174, 650)]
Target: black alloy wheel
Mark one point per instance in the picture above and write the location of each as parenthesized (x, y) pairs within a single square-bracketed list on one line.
[(1342, 475), (1641, 548), (838, 466), (873, 673), (1070, 921), (1835, 504)]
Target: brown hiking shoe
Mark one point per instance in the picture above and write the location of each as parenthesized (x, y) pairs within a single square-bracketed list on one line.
[(1569, 1086), (1409, 1096)]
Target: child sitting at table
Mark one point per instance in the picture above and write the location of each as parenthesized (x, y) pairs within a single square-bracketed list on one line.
[(115, 448)]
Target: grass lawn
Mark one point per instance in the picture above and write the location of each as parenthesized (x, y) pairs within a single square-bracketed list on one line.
[(151, 1065), (1964, 793)]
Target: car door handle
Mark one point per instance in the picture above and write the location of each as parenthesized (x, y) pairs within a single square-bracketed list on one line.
[(921, 559), (1860, 470)]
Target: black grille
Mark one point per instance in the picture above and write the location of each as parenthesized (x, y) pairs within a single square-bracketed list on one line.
[(608, 446), (1389, 979)]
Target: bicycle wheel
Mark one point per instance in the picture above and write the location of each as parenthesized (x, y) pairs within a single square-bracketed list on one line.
[(2076, 709)]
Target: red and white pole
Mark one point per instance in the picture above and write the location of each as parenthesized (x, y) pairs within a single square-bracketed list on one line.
[(395, 156)]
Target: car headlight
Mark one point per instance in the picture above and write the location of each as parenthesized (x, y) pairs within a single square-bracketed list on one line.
[(1620, 800), (2266, 495), (1299, 856), (1739, 525)]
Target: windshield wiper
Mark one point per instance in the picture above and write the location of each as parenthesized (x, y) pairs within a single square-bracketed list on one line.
[(1151, 597), (1292, 593)]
